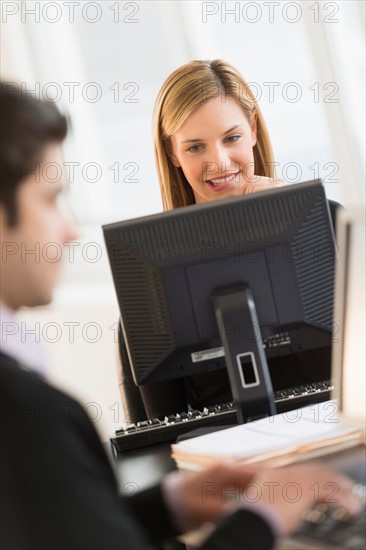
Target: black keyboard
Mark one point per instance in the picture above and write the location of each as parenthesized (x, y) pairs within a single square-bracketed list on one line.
[(165, 430), (326, 526)]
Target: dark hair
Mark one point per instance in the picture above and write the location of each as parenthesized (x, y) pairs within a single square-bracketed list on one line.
[(27, 125)]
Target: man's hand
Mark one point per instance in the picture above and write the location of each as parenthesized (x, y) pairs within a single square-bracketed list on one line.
[(294, 489), (286, 493), (206, 496)]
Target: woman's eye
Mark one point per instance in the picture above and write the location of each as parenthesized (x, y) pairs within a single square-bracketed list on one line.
[(231, 139), (194, 148)]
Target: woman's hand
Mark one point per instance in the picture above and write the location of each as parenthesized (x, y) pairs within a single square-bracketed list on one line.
[(262, 183)]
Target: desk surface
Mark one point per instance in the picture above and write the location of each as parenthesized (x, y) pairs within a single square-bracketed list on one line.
[(145, 467)]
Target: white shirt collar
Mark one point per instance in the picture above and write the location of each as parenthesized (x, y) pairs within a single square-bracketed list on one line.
[(19, 343)]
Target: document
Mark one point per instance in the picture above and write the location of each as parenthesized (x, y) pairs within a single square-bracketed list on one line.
[(280, 439)]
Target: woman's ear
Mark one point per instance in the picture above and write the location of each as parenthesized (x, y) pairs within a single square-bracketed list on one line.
[(253, 126), (170, 153), (174, 160)]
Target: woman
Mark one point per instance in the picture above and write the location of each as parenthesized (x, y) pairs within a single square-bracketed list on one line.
[(211, 142), (206, 99)]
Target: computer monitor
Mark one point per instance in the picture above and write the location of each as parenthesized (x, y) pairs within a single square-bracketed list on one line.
[(226, 284)]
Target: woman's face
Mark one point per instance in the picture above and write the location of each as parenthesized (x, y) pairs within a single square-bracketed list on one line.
[(214, 148)]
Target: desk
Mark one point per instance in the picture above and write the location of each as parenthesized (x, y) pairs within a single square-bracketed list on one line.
[(145, 467), (148, 466)]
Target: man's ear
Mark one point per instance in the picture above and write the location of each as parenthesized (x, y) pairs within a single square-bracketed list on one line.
[(3, 219), (253, 126)]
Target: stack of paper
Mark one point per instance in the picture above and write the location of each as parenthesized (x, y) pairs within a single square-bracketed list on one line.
[(280, 439)]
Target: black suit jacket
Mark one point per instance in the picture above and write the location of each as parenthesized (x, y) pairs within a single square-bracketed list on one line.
[(58, 490)]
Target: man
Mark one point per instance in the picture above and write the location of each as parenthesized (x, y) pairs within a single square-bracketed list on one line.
[(57, 486)]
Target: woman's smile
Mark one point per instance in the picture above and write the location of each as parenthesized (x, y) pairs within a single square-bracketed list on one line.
[(217, 184)]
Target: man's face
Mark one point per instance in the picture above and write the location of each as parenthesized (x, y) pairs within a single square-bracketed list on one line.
[(32, 250)]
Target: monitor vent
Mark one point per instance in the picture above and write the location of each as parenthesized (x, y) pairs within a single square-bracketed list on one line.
[(312, 249), (144, 309), (240, 223)]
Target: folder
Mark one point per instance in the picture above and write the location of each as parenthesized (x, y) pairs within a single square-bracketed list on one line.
[(278, 440)]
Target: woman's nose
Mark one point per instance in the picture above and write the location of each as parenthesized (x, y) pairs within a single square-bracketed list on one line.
[(219, 159)]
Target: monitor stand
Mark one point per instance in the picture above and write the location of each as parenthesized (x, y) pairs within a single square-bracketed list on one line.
[(246, 361)]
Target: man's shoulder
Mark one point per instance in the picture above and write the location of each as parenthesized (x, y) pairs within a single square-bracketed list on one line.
[(36, 415), (23, 388)]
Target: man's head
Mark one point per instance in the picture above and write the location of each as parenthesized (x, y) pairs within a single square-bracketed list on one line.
[(33, 225)]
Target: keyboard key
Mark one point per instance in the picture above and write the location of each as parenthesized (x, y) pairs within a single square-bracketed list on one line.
[(214, 409), (130, 428), (334, 526), (143, 424)]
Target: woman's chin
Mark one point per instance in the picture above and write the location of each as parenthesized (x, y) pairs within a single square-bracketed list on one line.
[(230, 191)]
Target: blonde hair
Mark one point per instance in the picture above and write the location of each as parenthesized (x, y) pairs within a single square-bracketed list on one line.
[(186, 89)]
